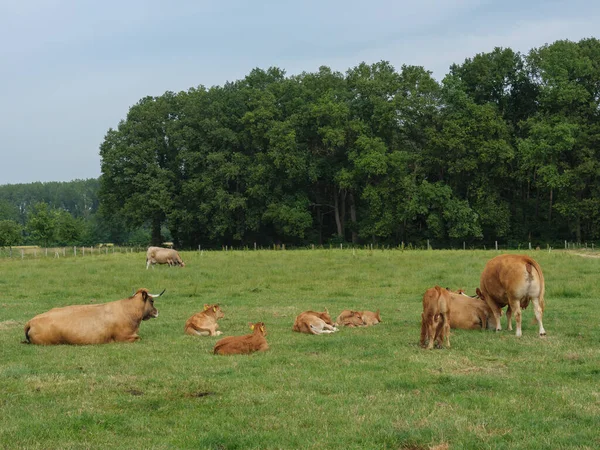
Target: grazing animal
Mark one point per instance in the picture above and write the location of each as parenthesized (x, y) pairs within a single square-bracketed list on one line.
[(348, 318), (250, 343), (116, 321), (513, 280), (159, 255), (435, 319), (371, 318), (205, 323), (313, 322)]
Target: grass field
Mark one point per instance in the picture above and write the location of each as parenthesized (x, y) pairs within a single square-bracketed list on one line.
[(359, 388)]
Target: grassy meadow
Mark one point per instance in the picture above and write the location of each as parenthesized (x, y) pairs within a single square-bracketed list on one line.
[(367, 388)]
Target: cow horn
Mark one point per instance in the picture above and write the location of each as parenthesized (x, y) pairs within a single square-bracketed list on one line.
[(158, 295)]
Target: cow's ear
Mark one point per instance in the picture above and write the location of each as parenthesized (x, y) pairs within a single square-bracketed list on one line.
[(326, 312), (251, 326), (206, 307), (479, 294), (214, 309), (262, 329), (144, 295)]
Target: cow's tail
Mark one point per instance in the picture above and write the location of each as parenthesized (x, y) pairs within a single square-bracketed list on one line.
[(538, 269), (27, 339)]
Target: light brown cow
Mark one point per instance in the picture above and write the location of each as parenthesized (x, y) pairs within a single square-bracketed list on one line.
[(313, 322), (348, 318), (205, 323), (435, 319), (371, 318), (469, 313), (513, 280), (116, 321), (159, 255), (250, 343)]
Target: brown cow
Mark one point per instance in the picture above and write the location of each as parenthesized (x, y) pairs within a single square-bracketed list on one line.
[(205, 323), (159, 255), (435, 319), (116, 321), (348, 318), (469, 313), (250, 343), (371, 318), (513, 280), (313, 322)]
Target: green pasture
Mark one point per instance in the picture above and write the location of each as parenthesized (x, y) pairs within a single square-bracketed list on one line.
[(367, 388)]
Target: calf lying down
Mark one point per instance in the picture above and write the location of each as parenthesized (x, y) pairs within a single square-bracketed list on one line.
[(313, 322), (249, 343)]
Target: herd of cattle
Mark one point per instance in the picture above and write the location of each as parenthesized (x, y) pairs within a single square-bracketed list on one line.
[(507, 280)]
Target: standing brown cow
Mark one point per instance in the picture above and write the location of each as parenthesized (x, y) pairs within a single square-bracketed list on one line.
[(116, 321), (513, 280), (435, 319)]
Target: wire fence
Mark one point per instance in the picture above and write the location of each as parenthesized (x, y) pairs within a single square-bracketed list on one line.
[(34, 252)]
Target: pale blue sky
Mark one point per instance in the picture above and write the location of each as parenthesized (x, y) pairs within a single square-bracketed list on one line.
[(70, 69)]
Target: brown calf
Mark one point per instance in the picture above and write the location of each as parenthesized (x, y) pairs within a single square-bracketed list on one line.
[(513, 280), (370, 318), (348, 318), (205, 323), (250, 343), (435, 320), (469, 313), (116, 321), (313, 322)]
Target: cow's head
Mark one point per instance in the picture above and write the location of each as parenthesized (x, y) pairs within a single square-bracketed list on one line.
[(355, 318), (326, 317), (214, 310), (149, 311), (258, 327)]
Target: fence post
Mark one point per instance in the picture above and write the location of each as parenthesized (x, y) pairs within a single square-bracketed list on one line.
[(496, 245), (82, 251), (46, 251), (255, 246), (530, 246), (464, 246), (22, 254), (74, 251), (64, 252), (428, 244)]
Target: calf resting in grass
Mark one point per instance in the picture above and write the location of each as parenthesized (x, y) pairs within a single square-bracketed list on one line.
[(313, 322), (250, 343), (348, 318), (205, 323)]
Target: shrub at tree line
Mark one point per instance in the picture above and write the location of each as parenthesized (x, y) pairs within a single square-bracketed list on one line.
[(506, 147)]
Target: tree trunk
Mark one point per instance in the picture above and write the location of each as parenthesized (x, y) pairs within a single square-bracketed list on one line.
[(156, 237), (550, 206), (353, 219), (338, 221)]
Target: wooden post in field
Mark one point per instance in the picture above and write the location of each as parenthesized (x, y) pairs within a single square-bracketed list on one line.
[(82, 251), (22, 254), (47, 250), (35, 253), (74, 251), (428, 244), (10, 252), (530, 246), (106, 250), (496, 245), (312, 246), (464, 245), (282, 246), (341, 246), (565, 245), (255, 246), (64, 251)]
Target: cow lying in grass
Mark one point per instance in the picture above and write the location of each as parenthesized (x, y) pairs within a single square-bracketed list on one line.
[(469, 313), (116, 321), (435, 319), (348, 318), (313, 322), (513, 280), (205, 323), (250, 343), (370, 318)]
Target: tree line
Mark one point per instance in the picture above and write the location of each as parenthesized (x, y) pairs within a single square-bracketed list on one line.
[(506, 147)]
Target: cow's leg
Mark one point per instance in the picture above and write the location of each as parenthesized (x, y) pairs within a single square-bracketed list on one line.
[(538, 314), (495, 311), (147, 263), (515, 305), (446, 325), (509, 317), (423, 331)]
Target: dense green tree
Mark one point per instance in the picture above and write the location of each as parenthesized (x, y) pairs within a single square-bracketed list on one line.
[(10, 233), (41, 224)]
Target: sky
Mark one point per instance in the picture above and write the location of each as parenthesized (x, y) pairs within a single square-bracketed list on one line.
[(71, 69)]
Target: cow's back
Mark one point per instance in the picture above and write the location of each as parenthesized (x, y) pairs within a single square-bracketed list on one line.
[(511, 275)]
